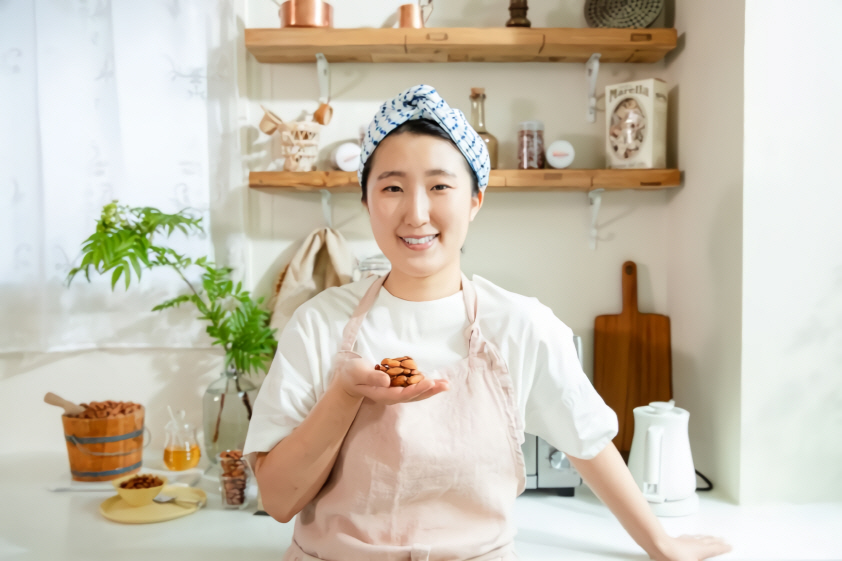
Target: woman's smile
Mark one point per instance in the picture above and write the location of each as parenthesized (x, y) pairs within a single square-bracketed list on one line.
[(420, 244)]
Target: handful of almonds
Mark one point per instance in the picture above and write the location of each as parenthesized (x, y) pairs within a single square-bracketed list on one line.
[(233, 477), (141, 482), (103, 409), (403, 371)]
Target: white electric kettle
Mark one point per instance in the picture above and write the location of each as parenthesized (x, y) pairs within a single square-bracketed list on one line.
[(660, 460)]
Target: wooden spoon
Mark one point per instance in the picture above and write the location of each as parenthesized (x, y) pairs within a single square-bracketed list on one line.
[(69, 407)]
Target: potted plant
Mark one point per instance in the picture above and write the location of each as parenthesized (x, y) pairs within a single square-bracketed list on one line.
[(127, 240)]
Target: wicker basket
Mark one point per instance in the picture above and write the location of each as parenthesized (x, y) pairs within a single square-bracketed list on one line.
[(299, 140)]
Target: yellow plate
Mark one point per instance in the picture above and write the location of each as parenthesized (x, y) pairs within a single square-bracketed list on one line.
[(116, 509)]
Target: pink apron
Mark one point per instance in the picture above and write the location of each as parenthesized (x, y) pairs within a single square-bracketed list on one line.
[(432, 480)]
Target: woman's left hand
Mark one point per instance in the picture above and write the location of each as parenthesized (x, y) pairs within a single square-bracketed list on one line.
[(692, 548)]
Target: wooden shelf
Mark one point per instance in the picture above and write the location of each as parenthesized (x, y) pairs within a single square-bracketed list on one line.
[(500, 180), (460, 44)]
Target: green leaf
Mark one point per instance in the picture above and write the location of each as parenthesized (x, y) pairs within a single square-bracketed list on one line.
[(116, 276)]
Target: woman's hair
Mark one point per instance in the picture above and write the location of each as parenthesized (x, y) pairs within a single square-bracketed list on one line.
[(417, 126)]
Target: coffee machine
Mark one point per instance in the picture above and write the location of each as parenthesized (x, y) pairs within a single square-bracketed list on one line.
[(546, 466)]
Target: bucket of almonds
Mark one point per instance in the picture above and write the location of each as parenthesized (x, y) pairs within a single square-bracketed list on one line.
[(105, 440), (402, 370)]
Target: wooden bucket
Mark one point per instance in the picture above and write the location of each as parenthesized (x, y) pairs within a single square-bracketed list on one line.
[(104, 449)]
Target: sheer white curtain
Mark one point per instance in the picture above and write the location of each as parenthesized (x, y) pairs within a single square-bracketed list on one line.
[(102, 100)]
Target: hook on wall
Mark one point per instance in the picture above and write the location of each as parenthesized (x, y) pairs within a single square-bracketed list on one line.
[(327, 207), (591, 73), (595, 200)]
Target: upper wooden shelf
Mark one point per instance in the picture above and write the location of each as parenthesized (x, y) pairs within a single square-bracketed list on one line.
[(460, 44), (500, 180)]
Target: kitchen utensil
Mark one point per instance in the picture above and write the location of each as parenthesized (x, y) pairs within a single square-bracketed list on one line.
[(306, 13), (660, 459), (632, 359), (299, 140), (138, 497), (409, 15), (517, 13), (118, 510), (69, 407), (324, 112), (546, 466), (180, 501), (628, 13), (413, 15)]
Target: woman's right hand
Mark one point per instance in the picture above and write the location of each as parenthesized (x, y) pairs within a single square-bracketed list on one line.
[(358, 378)]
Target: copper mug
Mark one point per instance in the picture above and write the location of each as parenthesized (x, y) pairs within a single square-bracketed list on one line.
[(306, 13), (410, 16)]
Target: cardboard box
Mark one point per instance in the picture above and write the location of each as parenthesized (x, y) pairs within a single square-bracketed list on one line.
[(636, 123)]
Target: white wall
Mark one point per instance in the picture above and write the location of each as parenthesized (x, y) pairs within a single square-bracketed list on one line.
[(686, 241), (531, 243), (705, 230), (792, 275)]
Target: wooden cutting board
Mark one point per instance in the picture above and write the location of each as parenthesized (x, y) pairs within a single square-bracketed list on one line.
[(632, 359)]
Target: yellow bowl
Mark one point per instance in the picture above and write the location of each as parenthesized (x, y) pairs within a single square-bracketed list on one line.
[(138, 497)]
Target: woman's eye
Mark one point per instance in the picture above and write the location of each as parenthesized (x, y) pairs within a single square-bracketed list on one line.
[(390, 187), (443, 187)]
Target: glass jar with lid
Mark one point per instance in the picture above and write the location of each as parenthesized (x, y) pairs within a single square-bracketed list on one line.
[(530, 145)]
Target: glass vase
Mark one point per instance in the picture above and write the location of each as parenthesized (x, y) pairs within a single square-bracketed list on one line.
[(226, 411)]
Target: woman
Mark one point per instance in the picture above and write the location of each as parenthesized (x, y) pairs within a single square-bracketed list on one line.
[(430, 471)]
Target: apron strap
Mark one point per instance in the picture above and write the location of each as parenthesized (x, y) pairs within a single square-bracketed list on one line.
[(472, 332), (349, 334)]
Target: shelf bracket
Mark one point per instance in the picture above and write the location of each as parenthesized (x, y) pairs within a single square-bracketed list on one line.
[(591, 73), (595, 200), (327, 208)]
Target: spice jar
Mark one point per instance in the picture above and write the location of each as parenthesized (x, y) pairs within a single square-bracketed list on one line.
[(530, 145)]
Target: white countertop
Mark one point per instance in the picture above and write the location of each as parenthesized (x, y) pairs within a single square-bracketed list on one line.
[(37, 524)]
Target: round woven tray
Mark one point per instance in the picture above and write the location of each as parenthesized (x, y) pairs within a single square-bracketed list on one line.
[(622, 13)]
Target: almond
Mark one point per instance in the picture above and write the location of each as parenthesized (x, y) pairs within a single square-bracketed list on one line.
[(412, 380), (409, 363)]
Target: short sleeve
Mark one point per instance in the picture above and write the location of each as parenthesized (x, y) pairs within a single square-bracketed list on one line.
[(563, 407), (289, 390)]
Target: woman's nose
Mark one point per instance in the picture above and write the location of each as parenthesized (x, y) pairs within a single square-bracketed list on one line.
[(418, 208)]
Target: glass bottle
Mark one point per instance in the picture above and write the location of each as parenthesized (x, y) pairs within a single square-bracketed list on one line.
[(181, 447), (226, 412), (530, 145), (478, 122)]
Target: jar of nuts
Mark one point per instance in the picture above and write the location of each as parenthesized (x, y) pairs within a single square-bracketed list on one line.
[(233, 479), (530, 145)]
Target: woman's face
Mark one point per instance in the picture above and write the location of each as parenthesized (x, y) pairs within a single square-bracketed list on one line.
[(420, 186)]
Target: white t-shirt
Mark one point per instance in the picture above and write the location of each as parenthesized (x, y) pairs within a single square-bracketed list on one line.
[(555, 398)]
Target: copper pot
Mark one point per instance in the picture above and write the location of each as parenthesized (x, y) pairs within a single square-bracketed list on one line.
[(306, 13), (410, 16)]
